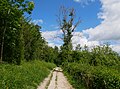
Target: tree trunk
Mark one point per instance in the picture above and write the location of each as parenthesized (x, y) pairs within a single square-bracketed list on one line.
[(2, 45)]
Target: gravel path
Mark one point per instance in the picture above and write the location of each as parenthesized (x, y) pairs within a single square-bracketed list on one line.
[(62, 82), (56, 80)]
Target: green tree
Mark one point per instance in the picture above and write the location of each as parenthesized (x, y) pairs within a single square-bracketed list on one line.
[(11, 15), (104, 55), (56, 53), (33, 41)]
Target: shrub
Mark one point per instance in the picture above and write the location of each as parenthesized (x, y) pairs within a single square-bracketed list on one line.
[(94, 77)]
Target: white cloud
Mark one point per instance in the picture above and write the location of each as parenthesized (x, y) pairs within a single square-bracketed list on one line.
[(54, 26), (38, 21), (77, 0), (79, 38), (109, 29), (84, 2), (116, 48), (52, 37), (53, 45)]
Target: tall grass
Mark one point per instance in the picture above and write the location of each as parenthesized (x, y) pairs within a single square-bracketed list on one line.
[(26, 76)]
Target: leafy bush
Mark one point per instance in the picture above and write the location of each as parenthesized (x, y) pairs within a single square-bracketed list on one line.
[(26, 76), (94, 77)]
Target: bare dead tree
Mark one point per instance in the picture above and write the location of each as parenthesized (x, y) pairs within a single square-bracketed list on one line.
[(66, 18)]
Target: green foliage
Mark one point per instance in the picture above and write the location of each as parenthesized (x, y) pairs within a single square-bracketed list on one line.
[(64, 56), (19, 38), (33, 41), (56, 53), (99, 77), (26, 76), (98, 68), (72, 80), (49, 54), (11, 35), (35, 46), (104, 56)]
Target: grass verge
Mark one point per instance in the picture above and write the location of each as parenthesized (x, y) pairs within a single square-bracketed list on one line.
[(26, 76)]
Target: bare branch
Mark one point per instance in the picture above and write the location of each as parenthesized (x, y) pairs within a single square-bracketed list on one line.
[(66, 20), (55, 37), (79, 21)]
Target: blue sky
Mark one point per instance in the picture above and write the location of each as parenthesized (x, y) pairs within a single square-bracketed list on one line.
[(47, 10), (100, 21)]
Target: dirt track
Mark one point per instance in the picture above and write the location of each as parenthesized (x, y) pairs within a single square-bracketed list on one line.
[(56, 80)]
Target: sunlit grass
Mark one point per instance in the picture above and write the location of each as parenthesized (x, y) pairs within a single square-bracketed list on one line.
[(26, 76)]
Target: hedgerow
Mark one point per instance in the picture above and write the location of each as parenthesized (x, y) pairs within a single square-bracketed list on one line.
[(94, 77)]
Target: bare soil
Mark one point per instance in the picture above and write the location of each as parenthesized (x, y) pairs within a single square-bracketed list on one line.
[(57, 81)]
